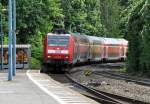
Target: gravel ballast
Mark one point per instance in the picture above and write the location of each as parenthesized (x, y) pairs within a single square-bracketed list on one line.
[(114, 86)]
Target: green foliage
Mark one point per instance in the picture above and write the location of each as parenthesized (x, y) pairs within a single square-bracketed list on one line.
[(35, 64), (1, 8), (145, 57), (127, 7), (109, 18), (74, 14), (93, 23), (135, 25), (139, 38), (36, 15), (82, 16), (36, 42), (35, 18)]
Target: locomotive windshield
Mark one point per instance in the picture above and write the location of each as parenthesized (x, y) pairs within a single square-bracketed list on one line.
[(58, 40)]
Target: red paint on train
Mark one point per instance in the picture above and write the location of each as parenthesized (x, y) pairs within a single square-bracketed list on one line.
[(76, 48)]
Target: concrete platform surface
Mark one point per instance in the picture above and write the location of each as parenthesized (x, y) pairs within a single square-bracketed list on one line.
[(32, 87), (22, 91)]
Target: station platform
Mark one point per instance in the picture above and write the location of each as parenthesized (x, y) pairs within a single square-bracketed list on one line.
[(32, 87)]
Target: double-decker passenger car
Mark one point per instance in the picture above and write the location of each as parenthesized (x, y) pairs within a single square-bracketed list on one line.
[(96, 48), (70, 49), (113, 49)]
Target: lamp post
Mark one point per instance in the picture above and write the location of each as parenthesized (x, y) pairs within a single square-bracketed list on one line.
[(1, 34), (10, 41), (14, 35)]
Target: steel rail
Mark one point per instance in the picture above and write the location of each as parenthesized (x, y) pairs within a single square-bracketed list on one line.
[(130, 100), (123, 77), (100, 97), (104, 97)]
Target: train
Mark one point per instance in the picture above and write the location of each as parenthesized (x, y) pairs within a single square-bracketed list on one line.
[(75, 48)]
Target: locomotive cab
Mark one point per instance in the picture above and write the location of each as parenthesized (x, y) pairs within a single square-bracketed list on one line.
[(57, 49)]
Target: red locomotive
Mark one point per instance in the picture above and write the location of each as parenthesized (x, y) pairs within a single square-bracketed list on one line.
[(58, 48), (70, 49)]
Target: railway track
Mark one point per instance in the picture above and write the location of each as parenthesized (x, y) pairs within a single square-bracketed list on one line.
[(91, 93), (102, 66), (110, 74), (103, 97), (119, 76), (110, 65)]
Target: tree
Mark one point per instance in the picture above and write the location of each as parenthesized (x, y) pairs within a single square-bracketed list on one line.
[(74, 14), (110, 17), (145, 57), (82, 16), (37, 16), (93, 25), (134, 28)]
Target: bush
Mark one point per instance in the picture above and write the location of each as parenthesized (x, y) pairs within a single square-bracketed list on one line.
[(35, 64)]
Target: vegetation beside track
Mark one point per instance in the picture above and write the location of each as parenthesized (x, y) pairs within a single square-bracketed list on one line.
[(109, 18)]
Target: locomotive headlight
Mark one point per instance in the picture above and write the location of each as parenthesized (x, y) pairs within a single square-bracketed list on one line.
[(66, 57), (49, 56), (64, 52)]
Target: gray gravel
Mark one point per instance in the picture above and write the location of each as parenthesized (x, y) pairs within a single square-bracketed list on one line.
[(118, 87)]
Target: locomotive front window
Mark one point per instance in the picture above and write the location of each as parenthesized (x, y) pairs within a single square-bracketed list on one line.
[(58, 40)]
